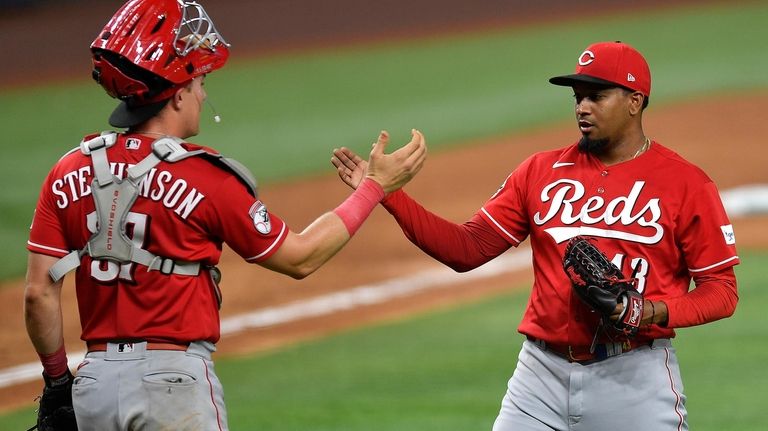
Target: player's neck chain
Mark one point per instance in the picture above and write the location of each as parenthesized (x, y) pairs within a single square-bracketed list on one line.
[(642, 149)]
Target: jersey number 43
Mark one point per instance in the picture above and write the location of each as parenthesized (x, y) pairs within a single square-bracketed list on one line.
[(637, 265)]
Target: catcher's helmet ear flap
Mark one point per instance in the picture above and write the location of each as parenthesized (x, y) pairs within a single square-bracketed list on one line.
[(115, 81), (173, 40), (142, 93)]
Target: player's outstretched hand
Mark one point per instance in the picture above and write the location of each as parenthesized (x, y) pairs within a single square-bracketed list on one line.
[(392, 171), (350, 167)]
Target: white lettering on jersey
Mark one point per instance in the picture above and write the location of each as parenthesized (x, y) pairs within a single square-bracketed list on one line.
[(618, 213), (62, 202), (74, 183), (160, 186)]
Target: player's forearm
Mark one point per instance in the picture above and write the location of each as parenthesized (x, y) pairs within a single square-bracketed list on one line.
[(714, 298), (42, 305), (42, 315), (302, 254), (462, 247), (43, 318), (654, 313), (45, 328), (323, 238)]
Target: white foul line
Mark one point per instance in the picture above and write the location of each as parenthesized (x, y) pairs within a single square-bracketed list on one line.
[(369, 294)]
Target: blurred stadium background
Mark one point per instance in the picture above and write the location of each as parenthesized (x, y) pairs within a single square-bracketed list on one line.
[(307, 76)]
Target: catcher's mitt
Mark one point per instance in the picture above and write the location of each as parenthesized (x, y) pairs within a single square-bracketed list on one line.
[(56, 412), (601, 285)]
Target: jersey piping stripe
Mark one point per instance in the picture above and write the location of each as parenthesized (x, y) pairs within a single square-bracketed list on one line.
[(712, 266), (499, 226), (33, 244), (282, 231), (674, 390)]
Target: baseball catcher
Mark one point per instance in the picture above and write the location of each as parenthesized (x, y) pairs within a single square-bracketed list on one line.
[(602, 286), (147, 228)]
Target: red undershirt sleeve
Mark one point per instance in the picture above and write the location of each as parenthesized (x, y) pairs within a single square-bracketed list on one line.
[(714, 298), (462, 247)]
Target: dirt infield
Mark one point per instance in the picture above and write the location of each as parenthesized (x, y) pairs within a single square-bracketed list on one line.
[(734, 156)]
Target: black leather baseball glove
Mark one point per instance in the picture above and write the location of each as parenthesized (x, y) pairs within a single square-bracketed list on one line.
[(601, 285), (56, 412)]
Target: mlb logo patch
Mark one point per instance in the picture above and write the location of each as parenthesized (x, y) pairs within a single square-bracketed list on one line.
[(132, 144), (728, 234), (125, 348)]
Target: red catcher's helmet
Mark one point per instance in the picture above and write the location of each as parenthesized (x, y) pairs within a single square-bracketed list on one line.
[(150, 48)]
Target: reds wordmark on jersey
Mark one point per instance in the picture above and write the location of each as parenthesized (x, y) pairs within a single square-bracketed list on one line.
[(642, 212), (185, 211)]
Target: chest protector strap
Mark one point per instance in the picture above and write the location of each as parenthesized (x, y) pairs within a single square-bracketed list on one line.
[(114, 197)]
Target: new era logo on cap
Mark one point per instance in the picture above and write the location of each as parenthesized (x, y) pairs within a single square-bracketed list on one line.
[(610, 63)]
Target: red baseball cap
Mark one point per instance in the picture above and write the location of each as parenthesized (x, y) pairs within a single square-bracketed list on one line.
[(610, 63)]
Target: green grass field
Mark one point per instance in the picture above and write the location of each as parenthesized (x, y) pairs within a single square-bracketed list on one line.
[(283, 116), (447, 370)]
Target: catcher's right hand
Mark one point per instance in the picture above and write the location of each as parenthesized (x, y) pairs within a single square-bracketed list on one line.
[(56, 412), (602, 286)]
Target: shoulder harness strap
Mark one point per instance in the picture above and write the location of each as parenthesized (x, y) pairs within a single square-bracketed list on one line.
[(233, 166), (170, 150), (242, 172), (113, 199)]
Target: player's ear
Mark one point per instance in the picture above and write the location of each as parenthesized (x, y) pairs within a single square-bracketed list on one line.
[(178, 97), (636, 100)]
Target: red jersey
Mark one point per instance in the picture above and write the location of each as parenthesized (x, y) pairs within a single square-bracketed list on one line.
[(184, 211), (657, 213)]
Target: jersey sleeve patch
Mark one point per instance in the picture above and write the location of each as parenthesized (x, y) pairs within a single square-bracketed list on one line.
[(260, 216), (728, 235)]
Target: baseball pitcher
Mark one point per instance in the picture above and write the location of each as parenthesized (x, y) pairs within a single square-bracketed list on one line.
[(619, 225)]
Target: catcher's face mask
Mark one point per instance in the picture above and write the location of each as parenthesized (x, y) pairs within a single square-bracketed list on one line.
[(196, 30)]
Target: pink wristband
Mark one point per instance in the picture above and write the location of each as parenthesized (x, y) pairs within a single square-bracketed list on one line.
[(358, 206), (54, 364)]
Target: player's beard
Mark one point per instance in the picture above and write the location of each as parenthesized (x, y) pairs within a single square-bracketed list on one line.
[(594, 146)]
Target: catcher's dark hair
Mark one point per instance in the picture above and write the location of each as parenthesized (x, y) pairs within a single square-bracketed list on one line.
[(155, 83)]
